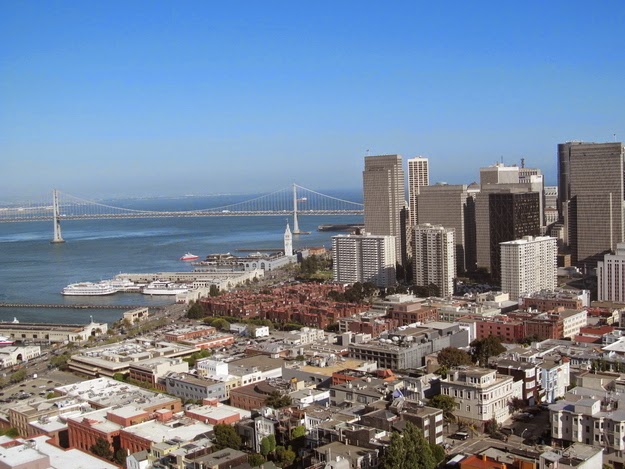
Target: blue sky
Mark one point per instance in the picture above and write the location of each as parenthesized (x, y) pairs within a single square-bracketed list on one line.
[(150, 97)]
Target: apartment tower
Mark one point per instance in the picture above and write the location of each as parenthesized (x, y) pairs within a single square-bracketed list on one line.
[(528, 265), (434, 257), (611, 276), (364, 258), (384, 200)]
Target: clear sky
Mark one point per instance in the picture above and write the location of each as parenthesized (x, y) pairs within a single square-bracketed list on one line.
[(177, 97)]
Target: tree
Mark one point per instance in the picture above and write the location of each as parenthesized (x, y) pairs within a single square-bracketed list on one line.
[(438, 452), (298, 432), (221, 324), (446, 403), (102, 448), (226, 436), (267, 445), (196, 311), (409, 450), (451, 357), (214, 290), (19, 375), (255, 459), (517, 403), (119, 377), (285, 456), (483, 349), (491, 426), (277, 400)]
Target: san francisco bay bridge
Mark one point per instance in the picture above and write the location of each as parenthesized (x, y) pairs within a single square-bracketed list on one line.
[(295, 200)]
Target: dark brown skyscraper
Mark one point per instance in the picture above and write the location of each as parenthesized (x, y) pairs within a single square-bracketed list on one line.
[(591, 198)]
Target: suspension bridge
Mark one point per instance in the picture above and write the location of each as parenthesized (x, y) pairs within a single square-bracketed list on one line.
[(295, 200)]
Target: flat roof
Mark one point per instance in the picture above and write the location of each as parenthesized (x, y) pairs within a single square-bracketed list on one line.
[(184, 429)]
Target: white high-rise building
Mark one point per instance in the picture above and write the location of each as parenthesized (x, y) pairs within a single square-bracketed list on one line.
[(611, 276), (528, 265), (418, 176), (288, 241), (364, 258), (434, 257)]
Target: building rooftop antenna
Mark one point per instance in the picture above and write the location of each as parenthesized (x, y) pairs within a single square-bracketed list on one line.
[(522, 162)]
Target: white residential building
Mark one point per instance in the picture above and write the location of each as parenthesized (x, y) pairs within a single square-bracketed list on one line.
[(528, 265), (364, 258), (585, 421), (418, 176), (611, 276), (434, 257), (480, 394), (554, 379)]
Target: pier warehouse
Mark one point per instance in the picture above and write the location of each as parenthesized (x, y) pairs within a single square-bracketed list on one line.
[(42, 332)]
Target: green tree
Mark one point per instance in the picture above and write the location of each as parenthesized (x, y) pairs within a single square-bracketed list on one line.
[(409, 450), (298, 432), (446, 403), (221, 324), (491, 426), (11, 432), (119, 377), (483, 349), (516, 403), (438, 452), (452, 357), (120, 457), (214, 291), (102, 448), (277, 400), (196, 311), (226, 436), (285, 456), (19, 375), (267, 445), (255, 459)]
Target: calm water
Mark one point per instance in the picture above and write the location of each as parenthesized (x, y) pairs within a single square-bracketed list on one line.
[(34, 271)]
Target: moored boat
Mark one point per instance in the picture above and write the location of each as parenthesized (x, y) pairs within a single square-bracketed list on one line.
[(89, 289)]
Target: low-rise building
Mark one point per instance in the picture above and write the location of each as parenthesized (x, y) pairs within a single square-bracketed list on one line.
[(189, 387), (151, 372), (11, 356)]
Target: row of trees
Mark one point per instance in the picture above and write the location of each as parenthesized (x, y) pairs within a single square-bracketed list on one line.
[(357, 293)]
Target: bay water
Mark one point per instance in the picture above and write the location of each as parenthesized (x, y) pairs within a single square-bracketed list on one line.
[(34, 271)]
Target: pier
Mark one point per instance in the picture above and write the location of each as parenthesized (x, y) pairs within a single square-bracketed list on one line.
[(68, 306)]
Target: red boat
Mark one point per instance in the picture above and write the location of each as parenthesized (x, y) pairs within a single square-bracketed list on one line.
[(189, 257)]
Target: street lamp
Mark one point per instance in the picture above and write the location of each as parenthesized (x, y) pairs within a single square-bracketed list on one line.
[(523, 432)]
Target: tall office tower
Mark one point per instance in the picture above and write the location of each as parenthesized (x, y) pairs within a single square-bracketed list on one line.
[(418, 176), (528, 265), (590, 190), (434, 252), (383, 185), (511, 216), (611, 276), (452, 207), (364, 258)]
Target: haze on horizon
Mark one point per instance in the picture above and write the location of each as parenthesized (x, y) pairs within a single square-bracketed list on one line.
[(160, 98)]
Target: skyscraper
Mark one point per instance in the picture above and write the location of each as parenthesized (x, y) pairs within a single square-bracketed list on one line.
[(590, 191), (452, 207), (418, 176), (434, 257), (364, 258), (528, 265), (384, 199), (511, 216)]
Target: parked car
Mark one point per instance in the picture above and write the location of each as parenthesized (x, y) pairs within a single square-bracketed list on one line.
[(460, 436)]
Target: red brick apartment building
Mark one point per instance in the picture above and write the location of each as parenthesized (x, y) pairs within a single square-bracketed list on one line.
[(306, 304), (410, 313)]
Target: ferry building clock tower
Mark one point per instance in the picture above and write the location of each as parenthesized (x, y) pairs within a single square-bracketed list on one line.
[(288, 241)]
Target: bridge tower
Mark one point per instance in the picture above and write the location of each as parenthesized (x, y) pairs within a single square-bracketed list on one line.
[(296, 230), (56, 219)]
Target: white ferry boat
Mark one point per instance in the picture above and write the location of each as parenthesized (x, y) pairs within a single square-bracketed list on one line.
[(124, 285), (161, 287), (89, 289)]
